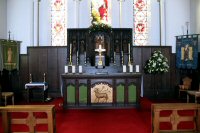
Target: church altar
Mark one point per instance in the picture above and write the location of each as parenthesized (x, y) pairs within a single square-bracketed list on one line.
[(99, 69), (101, 89)]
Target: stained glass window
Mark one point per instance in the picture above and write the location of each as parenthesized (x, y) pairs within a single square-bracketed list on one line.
[(58, 23), (100, 11), (141, 13)]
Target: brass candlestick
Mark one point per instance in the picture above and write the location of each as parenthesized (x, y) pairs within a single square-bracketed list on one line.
[(129, 54), (70, 54), (30, 78), (44, 77)]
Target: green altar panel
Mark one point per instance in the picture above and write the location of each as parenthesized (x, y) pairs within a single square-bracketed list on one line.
[(83, 94), (71, 94), (132, 93), (120, 94)]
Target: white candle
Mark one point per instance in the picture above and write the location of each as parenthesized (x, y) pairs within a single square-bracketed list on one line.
[(137, 68), (130, 68), (73, 69), (124, 68), (66, 69), (80, 69)]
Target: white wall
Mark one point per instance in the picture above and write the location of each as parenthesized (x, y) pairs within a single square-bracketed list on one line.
[(20, 20), (3, 19), (195, 18), (19, 16), (154, 28), (177, 14)]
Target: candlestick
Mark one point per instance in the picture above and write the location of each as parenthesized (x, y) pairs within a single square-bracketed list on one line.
[(114, 57), (44, 77), (129, 54), (77, 58), (70, 54), (30, 78)]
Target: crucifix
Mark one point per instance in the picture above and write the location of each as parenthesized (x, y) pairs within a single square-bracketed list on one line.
[(100, 50), (120, 12)]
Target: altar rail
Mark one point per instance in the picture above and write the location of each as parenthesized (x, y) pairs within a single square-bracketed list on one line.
[(31, 120), (175, 117)]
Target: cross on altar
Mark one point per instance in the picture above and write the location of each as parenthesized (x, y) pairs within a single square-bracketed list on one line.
[(100, 50)]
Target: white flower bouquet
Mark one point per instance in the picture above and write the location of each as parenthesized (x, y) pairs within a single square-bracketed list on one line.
[(157, 63)]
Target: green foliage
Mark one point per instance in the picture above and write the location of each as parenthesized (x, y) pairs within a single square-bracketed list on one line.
[(157, 63), (99, 27)]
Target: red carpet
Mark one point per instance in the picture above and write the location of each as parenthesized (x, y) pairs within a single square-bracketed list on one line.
[(98, 120), (103, 121)]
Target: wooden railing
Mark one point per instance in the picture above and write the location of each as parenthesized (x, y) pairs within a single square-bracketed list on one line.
[(31, 120), (174, 114)]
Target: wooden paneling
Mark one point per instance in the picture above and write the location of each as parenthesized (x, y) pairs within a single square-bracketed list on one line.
[(51, 60)]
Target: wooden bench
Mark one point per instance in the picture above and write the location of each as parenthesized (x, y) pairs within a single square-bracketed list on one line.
[(174, 114), (31, 120)]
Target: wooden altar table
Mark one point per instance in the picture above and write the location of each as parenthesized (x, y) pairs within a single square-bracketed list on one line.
[(90, 80)]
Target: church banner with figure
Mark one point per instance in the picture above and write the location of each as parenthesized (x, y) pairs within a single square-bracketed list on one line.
[(187, 51), (10, 54)]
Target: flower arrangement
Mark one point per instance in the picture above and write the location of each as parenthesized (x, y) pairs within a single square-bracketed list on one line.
[(157, 63), (99, 27)]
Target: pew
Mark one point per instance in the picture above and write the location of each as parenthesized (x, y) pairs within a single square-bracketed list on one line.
[(31, 120), (175, 114)]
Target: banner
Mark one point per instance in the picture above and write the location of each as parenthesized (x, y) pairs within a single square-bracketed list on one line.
[(187, 51), (9, 54)]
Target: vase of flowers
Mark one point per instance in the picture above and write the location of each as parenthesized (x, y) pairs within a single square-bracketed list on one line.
[(157, 64)]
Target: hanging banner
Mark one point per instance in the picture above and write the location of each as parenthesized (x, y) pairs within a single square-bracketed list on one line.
[(10, 54), (187, 51)]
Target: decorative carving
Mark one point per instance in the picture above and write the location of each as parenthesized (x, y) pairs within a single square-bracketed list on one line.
[(101, 93)]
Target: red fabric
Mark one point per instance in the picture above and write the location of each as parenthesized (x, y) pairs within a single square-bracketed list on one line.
[(102, 120)]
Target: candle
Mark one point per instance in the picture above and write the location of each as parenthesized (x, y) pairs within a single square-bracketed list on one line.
[(66, 69), (80, 69), (137, 68), (73, 69), (124, 68)]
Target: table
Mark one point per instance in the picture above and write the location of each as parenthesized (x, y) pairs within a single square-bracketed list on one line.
[(196, 94), (37, 85), (90, 80)]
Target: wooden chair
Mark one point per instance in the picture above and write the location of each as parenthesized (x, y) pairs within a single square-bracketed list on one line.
[(5, 96), (185, 86)]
